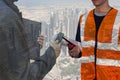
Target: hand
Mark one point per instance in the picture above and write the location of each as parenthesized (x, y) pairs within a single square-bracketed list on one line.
[(41, 40), (56, 43), (56, 46), (74, 52)]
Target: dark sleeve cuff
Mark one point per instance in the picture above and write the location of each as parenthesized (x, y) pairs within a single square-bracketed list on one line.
[(80, 54)]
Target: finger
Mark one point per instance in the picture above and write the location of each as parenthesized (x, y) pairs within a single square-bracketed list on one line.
[(71, 54), (71, 51), (75, 55), (41, 43), (56, 41), (40, 38)]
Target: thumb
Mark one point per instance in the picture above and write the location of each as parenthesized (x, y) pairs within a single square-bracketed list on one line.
[(56, 41)]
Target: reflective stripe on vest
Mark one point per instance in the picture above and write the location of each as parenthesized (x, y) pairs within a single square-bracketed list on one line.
[(108, 62), (105, 62), (87, 59)]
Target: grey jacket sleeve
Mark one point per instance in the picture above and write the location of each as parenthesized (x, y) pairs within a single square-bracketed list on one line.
[(41, 67), (3, 47), (3, 55)]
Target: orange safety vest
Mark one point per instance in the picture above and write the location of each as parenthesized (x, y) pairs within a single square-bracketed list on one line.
[(108, 47)]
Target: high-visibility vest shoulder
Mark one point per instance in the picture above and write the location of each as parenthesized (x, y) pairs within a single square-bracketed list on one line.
[(108, 46)]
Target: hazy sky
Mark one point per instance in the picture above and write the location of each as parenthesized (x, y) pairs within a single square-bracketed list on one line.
[(33, 3), (30, 3)]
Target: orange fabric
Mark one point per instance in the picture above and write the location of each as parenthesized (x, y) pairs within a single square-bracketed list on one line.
[(87, 71), (108, 73), (108, 54), (90, 28), (88, 51), (105, 30)]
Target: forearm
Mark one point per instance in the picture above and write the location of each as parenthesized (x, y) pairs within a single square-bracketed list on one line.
[(49, 57), (41, 67)]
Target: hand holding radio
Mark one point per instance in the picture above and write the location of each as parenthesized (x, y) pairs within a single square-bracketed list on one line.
[(74, 47)]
